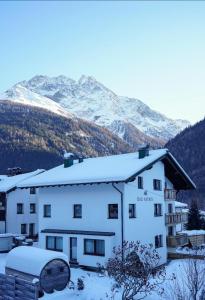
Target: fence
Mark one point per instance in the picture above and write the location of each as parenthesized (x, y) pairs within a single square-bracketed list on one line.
[(14, 288)]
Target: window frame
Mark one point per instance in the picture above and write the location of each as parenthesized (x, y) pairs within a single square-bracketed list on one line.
[(140, 182), (109, 211), (158, 241), (45, 215), (75, 216), (94, 253), (55, 243), (157, 184), (33, 211), (133, 215), (21, 212), (158, 212)]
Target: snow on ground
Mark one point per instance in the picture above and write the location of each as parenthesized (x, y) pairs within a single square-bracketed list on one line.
[(98, 287)]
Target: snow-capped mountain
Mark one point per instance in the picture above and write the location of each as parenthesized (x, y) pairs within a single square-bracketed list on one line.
[(89, 99)]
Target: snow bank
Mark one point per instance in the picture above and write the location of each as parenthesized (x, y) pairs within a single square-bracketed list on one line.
[(193, 232)]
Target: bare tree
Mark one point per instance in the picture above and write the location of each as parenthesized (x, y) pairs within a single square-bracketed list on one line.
[(189, 283), (135, 269)]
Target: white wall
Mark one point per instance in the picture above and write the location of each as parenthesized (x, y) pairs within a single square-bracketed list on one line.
[(15, 220), (146, 226), (94, 200)]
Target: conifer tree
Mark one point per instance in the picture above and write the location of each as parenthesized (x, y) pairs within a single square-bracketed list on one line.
[(194, 217)]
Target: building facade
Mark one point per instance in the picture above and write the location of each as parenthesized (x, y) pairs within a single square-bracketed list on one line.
[(87, 208)]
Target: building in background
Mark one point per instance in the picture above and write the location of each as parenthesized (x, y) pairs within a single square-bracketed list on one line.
[(18, 207)]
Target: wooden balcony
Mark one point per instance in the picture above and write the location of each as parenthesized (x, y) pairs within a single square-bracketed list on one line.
[(178, 240), (176, 218), (170, 194)]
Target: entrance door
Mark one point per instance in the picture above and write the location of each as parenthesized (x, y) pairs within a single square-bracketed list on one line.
[(73, 249), (31, 229)]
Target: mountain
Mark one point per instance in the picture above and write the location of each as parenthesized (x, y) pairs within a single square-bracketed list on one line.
[(189, 148), (32, 137), (89, 99)]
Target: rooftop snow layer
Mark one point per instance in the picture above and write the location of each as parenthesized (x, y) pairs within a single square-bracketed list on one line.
[(11, 182), (31, 260), (180, 204), (100, 169)]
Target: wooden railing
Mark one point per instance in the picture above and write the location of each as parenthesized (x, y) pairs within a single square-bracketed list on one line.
[(176, 218), (170, 194), (177, 240)]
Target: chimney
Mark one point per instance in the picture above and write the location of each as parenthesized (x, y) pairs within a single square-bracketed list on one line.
[(68, 159), (143, 151)]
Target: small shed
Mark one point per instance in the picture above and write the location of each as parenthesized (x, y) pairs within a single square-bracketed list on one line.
[(31, 263)]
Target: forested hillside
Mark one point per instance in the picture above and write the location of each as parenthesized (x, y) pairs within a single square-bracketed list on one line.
[(189, 148), (34, 138)]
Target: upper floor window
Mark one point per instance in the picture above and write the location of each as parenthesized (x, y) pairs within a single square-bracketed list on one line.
[(32, 190), (54, 243), (19, 208), (32, 208), (23, 229), (158, 241), (157, 184), (140, 182), (94, 247), (77, 211), (113, 211), (47, 211), (132, 211), (157, 210), (170, 208)]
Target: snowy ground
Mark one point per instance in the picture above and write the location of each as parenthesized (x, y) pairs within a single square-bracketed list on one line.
[(96, 286)]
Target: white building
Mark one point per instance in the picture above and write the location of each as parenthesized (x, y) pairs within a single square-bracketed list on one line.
[(18, 208), (88, 207)]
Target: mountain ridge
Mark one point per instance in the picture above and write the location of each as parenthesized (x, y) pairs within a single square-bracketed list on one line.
[(89, 99)]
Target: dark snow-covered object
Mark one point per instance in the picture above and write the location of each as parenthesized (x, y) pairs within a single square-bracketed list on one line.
[(49, 267)]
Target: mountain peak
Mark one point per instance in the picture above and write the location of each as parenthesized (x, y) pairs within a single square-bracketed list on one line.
[(86, 79)]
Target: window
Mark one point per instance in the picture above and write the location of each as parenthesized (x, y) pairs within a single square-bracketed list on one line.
[(19, 208), (140, 182), (157, 210), (47, 211), (158, 241), (113, 211), (32, 190), (157, 184), (32, 208), (54, 243), (132, 211), (94, 247), (23, 229), (77, 211), (170, 208), (31, 229), (170, 230)]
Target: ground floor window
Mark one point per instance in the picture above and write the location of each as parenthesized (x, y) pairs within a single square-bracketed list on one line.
[(23, 229), (94, 247), (54, 243), (158, 241)]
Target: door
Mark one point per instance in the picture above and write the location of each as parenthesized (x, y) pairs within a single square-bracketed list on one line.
[(73, 249), (31, 229)]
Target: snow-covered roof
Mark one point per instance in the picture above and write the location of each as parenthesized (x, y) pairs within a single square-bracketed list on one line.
[(31, 260), (180, 204), (9, 182), (115, 168)]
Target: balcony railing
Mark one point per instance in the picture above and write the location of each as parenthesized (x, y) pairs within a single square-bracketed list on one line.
[(170, 194), (176, 218), (177, 240)]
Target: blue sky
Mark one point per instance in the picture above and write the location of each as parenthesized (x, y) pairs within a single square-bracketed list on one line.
[(154, 51)]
